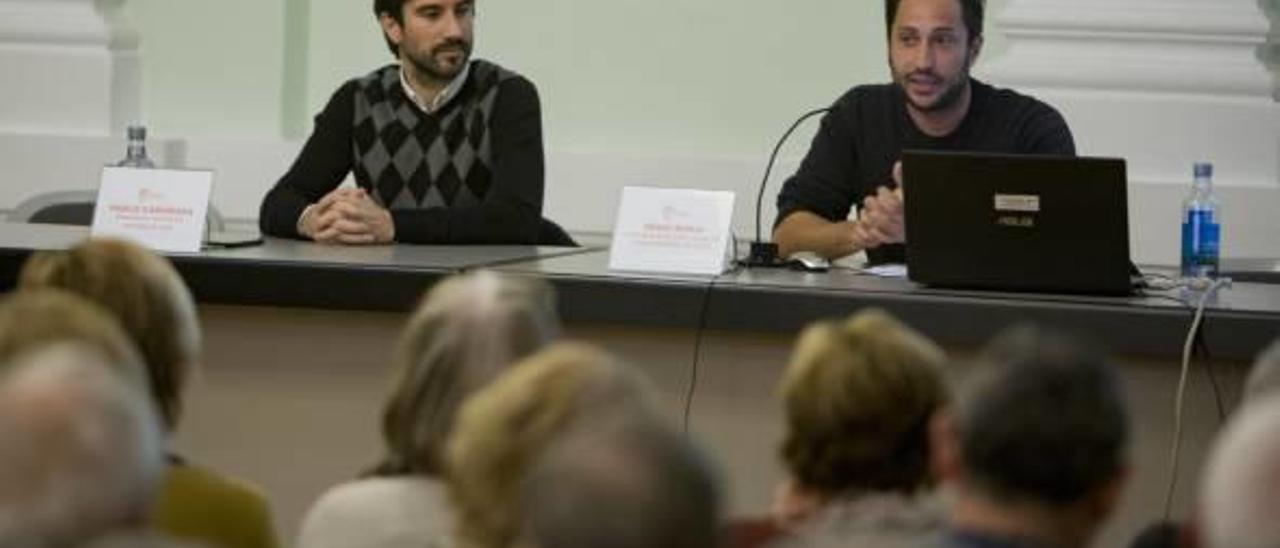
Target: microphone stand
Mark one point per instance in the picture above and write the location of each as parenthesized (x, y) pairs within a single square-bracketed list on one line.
[(765, 254)]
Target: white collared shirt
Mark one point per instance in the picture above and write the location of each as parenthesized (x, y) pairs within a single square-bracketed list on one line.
[(441, 99)]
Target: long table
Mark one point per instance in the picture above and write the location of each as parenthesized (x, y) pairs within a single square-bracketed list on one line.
[(1240, 318), (298, 335)]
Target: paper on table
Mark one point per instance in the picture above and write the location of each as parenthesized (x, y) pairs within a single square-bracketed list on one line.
[(887, 270)]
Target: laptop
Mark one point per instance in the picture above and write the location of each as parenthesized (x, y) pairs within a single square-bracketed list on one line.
[(1017, 223)]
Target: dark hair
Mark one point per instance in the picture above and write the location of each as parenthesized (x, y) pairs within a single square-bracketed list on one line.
[(1042, 418), (643, 484), (971, 12), (394, 8)]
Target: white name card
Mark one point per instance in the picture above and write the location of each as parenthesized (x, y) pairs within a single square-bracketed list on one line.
[(162, 209), (672, 230)]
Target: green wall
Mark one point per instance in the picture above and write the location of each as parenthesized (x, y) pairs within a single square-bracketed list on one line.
[(690, 77)]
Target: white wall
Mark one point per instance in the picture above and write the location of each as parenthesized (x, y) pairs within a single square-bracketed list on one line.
[(211, 69)]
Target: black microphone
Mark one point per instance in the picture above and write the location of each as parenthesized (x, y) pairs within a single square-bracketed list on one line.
[(766, 253)]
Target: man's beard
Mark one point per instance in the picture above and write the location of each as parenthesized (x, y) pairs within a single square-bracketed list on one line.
[(950, 96), (428, 66)]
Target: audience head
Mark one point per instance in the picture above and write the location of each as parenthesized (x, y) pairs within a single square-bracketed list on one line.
[(1264, 378), (1241, 485), (82, 451), (507, 425), (642, 484), (145, 295), (32, 320), (467, 330), (859, 395), (1041, 422)]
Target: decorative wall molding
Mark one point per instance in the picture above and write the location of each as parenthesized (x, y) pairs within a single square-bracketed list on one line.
[(1269, 52), (71, 67), (65, 22), (1160, 83), (1173, 46)]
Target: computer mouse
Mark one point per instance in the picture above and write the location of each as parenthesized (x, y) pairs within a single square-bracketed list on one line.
[(809, 261)]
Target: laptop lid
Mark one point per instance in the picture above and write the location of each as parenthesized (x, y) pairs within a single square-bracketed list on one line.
[(1021, 223)]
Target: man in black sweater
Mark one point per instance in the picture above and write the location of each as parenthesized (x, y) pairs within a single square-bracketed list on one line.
[(931, 104), (444, 149)]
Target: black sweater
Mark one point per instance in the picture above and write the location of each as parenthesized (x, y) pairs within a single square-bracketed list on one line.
[(868, 128), (470, 173)]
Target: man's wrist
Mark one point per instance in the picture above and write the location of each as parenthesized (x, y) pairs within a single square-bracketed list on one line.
[(856, 233), (301, 226), (390, 231)]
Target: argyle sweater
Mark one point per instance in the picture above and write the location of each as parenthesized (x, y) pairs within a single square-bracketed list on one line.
[(469, 173)]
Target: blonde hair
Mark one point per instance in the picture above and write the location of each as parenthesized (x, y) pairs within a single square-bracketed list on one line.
[(506, 426), (858, 396), (145, 294), (33, 320), (468, 329)]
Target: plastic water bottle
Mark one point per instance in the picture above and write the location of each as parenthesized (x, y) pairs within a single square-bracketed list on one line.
[(1201, 226), (136, 156)]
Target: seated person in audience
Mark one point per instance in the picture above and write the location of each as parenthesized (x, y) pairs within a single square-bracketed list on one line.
[(858, 397), (467, 330), (30, 320), (444, 149), (507, 426), (931, 104), (82, 452), (1034, 444), (1241, 486), (1262, 383), (636, 485), (1264, 377), (148, 299)]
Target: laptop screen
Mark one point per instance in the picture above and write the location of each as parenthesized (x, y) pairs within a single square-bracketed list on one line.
[(1023, 223)]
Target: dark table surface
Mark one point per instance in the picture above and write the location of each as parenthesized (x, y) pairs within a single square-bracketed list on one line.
[(1240, 319)]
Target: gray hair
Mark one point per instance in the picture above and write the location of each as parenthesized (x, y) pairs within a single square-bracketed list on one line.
[(639, 485), (1239, 489), (468, 329), (82, 451), (1042, 418), (1264, 377)]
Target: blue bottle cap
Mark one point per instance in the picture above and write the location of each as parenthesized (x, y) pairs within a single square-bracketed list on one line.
[(1203, 169)]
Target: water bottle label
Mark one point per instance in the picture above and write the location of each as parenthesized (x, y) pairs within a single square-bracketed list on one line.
[(1200, 244)]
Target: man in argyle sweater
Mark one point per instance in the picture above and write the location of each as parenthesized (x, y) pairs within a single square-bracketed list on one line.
[(444, 149)]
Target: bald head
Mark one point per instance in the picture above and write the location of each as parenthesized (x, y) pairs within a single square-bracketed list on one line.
[(1241, 489), (1264, 378), (82, 451)]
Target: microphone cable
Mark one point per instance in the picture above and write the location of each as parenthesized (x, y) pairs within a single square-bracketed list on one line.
[(703, 312), (697, 352), (1209, 288), (766, 253)]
